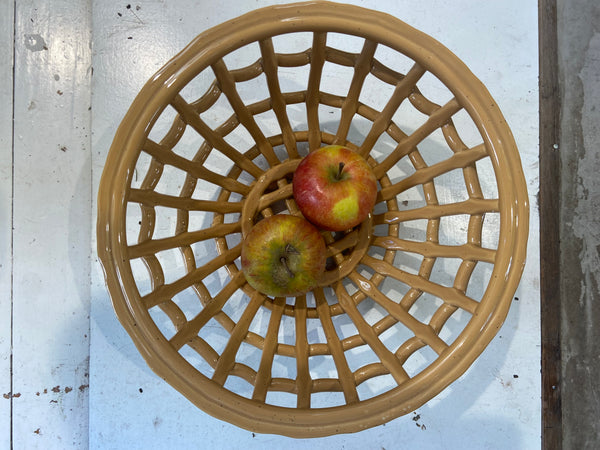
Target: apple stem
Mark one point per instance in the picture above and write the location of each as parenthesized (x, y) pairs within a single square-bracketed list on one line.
[(284, 261), (289, 249), (340, 168)]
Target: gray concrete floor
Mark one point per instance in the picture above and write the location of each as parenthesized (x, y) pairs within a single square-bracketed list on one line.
[(579, 80)]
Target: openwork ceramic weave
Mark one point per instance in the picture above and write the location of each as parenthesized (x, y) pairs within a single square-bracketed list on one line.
[(413, 295)]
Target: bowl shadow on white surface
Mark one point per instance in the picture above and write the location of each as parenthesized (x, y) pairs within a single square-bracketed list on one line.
[(454, 398)]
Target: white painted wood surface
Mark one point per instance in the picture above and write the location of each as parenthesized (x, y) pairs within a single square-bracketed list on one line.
[(52, 224), (56, 173), (495, 405), (6, 116)]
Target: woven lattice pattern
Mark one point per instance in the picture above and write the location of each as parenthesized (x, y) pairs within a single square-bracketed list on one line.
[(401, 290), (364, 277)]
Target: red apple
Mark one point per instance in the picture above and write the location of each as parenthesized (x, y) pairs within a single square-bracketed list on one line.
[(283, 256), (334, 188)]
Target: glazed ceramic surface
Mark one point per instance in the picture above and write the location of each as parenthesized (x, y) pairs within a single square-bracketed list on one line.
[(412, 295)]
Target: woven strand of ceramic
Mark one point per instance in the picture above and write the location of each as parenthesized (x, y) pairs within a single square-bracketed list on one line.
[(411, 296)]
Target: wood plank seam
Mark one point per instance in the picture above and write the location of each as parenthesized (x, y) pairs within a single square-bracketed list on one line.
[(12, 223), (549, 226)]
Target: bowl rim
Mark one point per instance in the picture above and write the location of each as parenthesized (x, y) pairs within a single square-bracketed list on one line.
[(157, 93)]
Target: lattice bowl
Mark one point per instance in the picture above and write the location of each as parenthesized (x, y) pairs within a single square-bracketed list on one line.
[(414, 294)]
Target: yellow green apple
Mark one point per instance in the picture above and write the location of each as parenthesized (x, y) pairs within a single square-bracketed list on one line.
[(283, 256)]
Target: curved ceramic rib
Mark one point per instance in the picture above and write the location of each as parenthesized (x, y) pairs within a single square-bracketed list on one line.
[(362, 67), (270, 64)]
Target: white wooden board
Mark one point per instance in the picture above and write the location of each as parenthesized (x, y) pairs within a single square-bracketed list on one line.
[(6, 103), (51, 204)]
